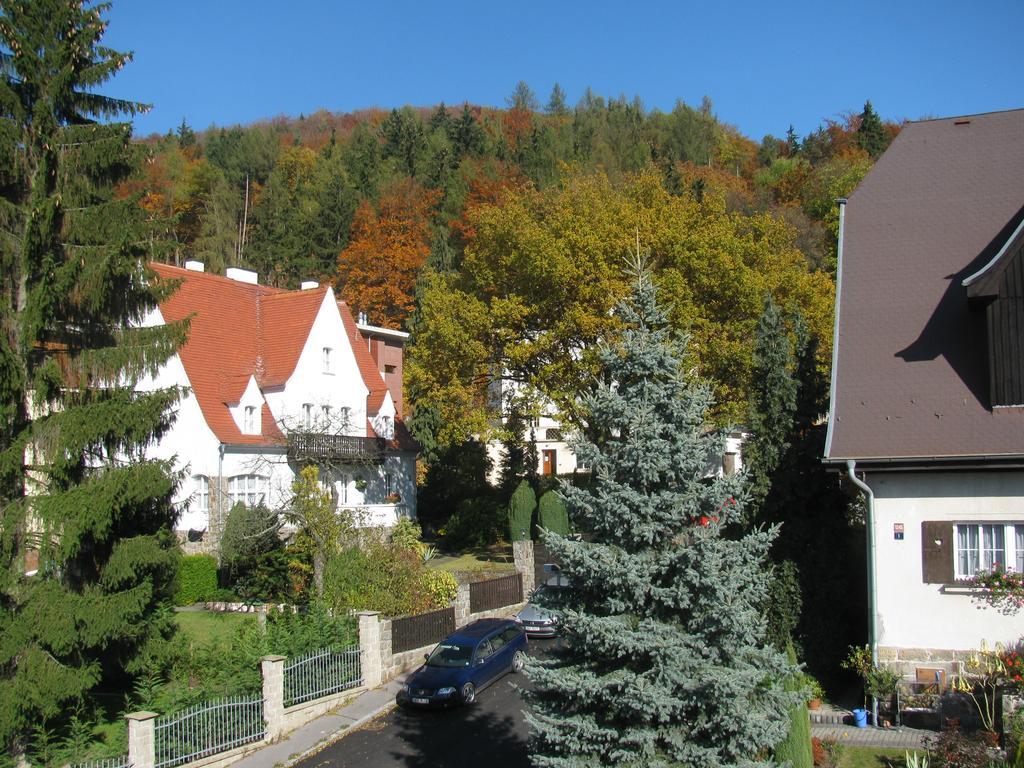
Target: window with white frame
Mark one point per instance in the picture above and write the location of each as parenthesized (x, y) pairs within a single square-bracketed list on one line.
[(202, 493), (249, 423), (248, 489), (328, 361), (385, 426), (983, 547), (387, 484), (346, 417), (325, 411), (343, 492), (307, 415)]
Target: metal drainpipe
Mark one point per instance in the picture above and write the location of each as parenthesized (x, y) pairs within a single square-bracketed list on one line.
[(869, 496)]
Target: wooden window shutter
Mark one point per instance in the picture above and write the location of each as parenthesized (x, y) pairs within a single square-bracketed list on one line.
[(937, 549)]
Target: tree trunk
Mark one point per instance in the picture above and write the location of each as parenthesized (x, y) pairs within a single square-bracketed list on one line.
[(319, 560)]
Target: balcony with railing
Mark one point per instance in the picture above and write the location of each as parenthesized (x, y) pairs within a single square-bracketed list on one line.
[(304, 446)]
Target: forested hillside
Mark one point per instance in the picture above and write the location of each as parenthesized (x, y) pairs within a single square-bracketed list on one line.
[(499, 231)]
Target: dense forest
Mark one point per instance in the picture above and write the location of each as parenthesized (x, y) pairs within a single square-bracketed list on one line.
[(496, 235)]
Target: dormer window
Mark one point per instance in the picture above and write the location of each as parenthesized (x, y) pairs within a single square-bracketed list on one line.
[(249, 423), (328, 360), (999, 288)]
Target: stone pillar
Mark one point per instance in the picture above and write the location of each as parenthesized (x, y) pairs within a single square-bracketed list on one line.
[(272, 668), (522, 551), (142, 739), (461, 605), (369, 648)]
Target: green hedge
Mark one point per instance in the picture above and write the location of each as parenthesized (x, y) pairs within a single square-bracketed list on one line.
[(197, 579)]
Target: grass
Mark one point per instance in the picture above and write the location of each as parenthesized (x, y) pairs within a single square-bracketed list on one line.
[(871, 757), (203, 627)]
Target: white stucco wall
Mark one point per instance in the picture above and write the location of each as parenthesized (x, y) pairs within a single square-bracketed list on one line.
[(342, 388), (190, 442), (913, 614)]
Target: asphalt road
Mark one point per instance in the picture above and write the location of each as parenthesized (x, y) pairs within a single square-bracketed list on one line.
[(490, 733)]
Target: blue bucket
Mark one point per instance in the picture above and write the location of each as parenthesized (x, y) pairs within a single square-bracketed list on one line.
[(860, 718)]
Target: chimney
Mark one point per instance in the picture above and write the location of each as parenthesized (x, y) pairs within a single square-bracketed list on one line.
[(195, 266), (308, 285), (242, 275)]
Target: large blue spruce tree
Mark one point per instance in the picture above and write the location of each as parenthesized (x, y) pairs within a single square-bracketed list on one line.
[(664, 659)]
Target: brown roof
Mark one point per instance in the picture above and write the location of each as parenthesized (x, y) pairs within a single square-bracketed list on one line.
[(910, 368)]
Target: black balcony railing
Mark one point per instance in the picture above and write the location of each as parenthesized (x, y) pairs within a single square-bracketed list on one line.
[(343, 448)]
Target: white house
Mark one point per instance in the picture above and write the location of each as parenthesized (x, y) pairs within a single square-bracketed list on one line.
[(554, 441), (927, 402), (274, 379)]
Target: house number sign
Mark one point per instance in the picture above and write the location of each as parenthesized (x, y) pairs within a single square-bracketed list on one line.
[(897, 531)]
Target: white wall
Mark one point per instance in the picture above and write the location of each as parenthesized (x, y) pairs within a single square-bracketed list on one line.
[(190, 442), (913, 614), (344, 388)]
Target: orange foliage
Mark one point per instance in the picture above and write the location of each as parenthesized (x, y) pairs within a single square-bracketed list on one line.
[(487, 186), (377, 271), (517, 124)]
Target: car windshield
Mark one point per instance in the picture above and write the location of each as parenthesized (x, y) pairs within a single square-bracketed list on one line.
[(450, 655)]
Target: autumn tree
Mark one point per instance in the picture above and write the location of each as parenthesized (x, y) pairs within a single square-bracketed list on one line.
[(87, 554), (389, 244), (541, 273)]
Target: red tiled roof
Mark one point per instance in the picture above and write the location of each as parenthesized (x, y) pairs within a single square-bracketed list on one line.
[(238, 330), (367, 367)]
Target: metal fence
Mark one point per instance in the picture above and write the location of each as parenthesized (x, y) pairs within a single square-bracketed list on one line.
[(495, 593), (321, 673), (410, 632), (109, 762), (209, 728)]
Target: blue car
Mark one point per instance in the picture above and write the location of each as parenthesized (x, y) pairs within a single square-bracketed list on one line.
[(466, 662)]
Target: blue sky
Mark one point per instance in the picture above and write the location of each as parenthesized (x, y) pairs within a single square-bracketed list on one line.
[(764, 65)]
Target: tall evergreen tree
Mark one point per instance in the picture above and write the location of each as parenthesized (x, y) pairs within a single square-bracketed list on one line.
[(80, 506), (773, 401), (522, 97), (664, 660), (556, 102), (871, 135)]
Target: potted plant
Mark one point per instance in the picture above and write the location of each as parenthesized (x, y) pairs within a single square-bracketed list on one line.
[(815, 693)]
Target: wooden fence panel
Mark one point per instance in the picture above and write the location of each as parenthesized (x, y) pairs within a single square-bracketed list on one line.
[(422, 629), (495, 593)]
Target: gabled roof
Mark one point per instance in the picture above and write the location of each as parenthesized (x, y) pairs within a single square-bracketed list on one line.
[(238, 330), (910, 378)]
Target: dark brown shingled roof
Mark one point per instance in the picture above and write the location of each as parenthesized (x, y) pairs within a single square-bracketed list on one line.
[(910, 366)]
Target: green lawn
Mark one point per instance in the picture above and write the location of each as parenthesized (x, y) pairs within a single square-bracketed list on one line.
[(871, 757), (202, 627), (471, 563)]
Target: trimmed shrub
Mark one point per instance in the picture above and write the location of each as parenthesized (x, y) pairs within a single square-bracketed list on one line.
[(551, 513), (520, 511), (197, 579), (796, 748)]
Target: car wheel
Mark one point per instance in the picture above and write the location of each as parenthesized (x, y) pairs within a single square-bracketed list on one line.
[(518, 661), (468, 693)]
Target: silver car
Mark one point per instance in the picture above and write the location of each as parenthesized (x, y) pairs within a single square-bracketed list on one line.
[(536, 621)]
